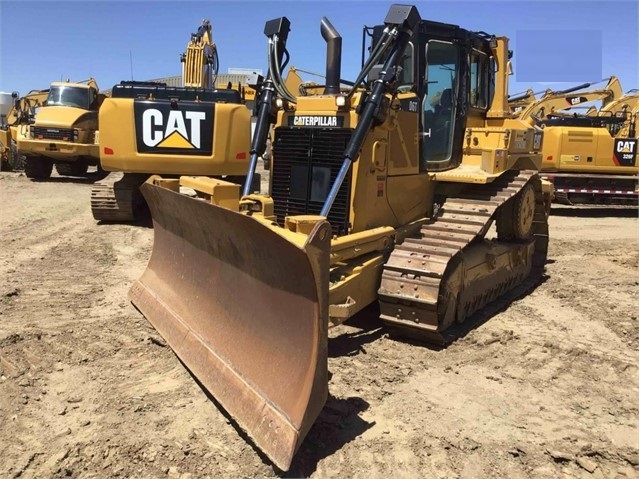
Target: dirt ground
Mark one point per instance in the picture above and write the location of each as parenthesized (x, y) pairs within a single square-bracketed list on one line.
[(547, 388)]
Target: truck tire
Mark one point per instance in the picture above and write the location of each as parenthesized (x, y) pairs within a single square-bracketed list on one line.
[(16, 160), (38, 168), (77, 168)]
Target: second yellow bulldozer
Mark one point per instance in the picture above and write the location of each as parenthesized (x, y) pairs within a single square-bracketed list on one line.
[(384, 193)]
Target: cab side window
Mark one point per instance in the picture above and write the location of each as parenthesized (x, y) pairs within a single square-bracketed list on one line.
[(438, 105), (479, 80)]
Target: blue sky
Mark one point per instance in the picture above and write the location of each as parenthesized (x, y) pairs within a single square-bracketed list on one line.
[(45, 41)]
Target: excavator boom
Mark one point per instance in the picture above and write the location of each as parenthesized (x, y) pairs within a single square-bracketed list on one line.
[(557, 101)]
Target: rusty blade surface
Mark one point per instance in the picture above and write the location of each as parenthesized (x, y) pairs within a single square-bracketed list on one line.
[(245, 310)]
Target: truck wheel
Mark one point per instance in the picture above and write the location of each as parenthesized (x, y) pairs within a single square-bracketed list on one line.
[(38, 168), (77, 168), (16, 160)]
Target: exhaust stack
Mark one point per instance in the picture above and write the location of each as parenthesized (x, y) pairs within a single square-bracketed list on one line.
[(333, 57)]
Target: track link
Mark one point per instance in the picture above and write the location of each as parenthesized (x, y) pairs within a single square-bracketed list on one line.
[(415, 297), (119, 201)]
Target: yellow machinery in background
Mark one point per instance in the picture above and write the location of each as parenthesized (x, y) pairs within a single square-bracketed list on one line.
[(64, 132), (150, 128), (590, 157), (518, 102), (535, 110), (21, 114), (384, 194)]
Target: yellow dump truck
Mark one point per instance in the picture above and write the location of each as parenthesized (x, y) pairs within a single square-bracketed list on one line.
[(64, 132)]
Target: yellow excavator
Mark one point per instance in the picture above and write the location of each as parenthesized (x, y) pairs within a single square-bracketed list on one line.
[(385, 194), (590, 157), (21, 114), (64, 132), (552, 101), (150, 128)]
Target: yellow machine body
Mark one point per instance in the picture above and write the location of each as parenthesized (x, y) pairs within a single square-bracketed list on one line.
[(588, 157), (147, 128), (21, 114), (593, 158), (215, 142), (385, 192), (61, 133), (64, 132)]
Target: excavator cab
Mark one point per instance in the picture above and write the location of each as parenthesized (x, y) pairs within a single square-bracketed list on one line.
[(377, 193)]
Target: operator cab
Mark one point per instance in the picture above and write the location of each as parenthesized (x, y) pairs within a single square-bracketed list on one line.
[(77, 96), (451, 72)]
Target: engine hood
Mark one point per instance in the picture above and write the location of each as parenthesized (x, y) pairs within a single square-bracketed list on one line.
[(64, 116)]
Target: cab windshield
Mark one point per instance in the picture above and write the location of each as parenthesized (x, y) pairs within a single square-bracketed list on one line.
[(69, 96)]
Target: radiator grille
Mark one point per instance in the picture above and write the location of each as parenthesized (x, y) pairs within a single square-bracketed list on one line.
[(306, 162), (64, 134)]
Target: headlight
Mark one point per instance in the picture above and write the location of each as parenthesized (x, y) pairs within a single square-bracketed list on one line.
[(340, 100), (75, 135)]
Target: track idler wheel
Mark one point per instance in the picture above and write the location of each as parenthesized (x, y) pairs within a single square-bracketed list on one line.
[(515, 218)]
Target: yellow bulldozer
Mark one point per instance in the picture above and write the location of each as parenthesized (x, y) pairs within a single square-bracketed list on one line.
[(149, 128), (64, 132), (386, 193), (21, 114)]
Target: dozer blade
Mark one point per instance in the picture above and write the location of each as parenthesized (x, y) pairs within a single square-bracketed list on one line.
[(245, 309)]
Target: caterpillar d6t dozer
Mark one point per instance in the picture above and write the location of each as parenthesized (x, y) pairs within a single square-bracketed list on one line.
[(150, 128), (384, 193)]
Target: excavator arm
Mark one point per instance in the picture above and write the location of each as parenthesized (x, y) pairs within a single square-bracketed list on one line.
[(22, 112), (554, 101), (200, 61)]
